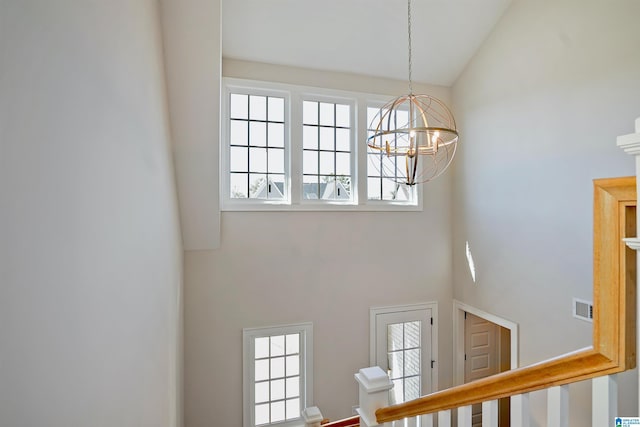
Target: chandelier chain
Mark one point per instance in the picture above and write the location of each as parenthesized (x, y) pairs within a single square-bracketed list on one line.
[(409, 30)]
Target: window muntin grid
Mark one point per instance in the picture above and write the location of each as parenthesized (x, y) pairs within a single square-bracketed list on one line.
[(257, 130), (277, 378), (404, 357), (378, 187), (326, 151)]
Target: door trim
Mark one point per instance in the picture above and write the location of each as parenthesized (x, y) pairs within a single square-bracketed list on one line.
[(459, 309), (433, 306)]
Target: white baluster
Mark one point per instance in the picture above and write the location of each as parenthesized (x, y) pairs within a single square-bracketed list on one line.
[(444, 419), (412, 422), (520, 410), (605, 400), (558, 406), (426, 420), (490, 413), (464, 416)]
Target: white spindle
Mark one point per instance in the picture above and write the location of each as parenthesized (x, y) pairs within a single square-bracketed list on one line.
[(490, 413), (412, 422), (558, 406), (464, 416), (520, 410), (444, 419), (605, 400), (426, 420)]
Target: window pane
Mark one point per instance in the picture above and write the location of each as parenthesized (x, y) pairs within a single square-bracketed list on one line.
[(262, 347), (262, 370), (342, 115), (411, 388), (277, 367), (343, 164), (262, 414), (327, 114), (343, 187), (277, 412), (239, 183), (371, 114), (293, 387), (276, 160), (293, 365), (293, 409), (238, 159), (257, 186), (412, 362), (277, 187), (276, 109), (394, 336), (342, 140), (258, 134), (310, 190), (257, 107), (310, 162), (389, 189), (373, 189), (397, 392), (327, 164), (277, 389), (396, 365), (310, 113), (310, 137), (262, 392), (276, 135), (238, 132), (239, 106), (293, 343), (327, 139), (412, 335), (328, 188), (277, 345), (258, 159)]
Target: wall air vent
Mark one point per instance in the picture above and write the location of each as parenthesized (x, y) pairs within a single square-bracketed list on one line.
[(583, 310)]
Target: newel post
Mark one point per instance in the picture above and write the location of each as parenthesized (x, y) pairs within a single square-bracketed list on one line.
[(631, 145), (374, 394)]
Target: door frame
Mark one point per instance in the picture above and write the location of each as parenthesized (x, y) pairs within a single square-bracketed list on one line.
[(459, 308), (433, 306)]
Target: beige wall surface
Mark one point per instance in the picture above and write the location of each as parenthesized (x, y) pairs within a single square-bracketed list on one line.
[(90, 246), (539, 109), (328, 268)]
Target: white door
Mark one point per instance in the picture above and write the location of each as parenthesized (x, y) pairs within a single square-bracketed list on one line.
[(403, 349), (482, 356)]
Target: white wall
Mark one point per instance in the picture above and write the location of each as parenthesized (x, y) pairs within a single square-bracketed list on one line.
[(325, 267), (90, 247), (539, 109)]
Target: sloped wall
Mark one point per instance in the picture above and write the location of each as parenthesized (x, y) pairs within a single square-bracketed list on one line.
[(539, 109), (90, 245)]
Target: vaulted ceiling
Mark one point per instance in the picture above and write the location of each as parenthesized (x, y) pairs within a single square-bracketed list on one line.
[(361, 36)]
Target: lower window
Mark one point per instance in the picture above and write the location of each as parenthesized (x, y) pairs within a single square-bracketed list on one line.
[(277, 374)]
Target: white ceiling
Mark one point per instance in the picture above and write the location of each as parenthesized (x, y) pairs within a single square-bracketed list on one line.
[(360, 36)]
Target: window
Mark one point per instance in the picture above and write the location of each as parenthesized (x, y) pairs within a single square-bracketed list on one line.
[(403, 341), (290, 147), (326, 150), (278, 374)]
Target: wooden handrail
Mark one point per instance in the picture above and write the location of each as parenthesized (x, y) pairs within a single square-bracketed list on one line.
[(614, 320), (346, 422)]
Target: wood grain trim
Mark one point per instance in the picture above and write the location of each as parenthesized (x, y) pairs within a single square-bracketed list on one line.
[(346, 422), (614, 273)]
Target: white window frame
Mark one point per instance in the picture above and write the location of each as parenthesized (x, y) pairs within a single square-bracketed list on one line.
[(248, 367), (294, 96)]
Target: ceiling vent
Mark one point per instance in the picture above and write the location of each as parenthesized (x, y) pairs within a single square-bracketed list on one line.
[(583, 310)]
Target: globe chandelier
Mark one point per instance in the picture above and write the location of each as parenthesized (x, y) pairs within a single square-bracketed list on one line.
[(413, 138)]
